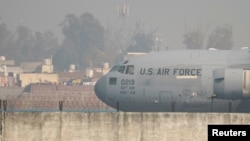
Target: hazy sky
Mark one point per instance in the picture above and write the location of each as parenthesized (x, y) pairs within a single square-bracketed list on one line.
[(171, 18)]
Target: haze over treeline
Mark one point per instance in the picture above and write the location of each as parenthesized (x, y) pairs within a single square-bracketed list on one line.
[(88, 43)]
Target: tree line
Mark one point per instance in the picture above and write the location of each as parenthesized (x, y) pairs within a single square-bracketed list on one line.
[(220, 38), (86, 42)]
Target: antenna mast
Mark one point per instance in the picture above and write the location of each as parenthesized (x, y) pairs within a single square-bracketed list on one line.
[(123, 9)]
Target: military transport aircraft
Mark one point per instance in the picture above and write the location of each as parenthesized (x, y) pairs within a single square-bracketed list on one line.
[(180, 81)]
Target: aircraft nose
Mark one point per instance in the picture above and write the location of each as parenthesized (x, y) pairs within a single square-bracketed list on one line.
[(101, 87)]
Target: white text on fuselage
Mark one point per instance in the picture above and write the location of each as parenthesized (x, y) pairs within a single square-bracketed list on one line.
[(171, 72)]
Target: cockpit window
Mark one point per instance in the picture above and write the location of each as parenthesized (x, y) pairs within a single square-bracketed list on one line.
[(115, 68), (125, 62), (121, 69), (130, 69)]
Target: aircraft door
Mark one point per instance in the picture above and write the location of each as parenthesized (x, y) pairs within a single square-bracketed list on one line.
[(165, 97), (166, 101)]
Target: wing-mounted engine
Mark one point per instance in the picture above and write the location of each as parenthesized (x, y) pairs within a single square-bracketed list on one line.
[(231, 83)]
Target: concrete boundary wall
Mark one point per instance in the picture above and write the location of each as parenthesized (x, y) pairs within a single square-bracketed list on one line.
[(78, 126)]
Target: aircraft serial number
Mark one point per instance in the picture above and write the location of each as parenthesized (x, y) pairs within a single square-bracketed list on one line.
[(127, 82), (127, 87)]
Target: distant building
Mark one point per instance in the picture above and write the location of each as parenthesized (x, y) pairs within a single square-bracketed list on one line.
[(8, 72), (67, 76), (14, 71), (47, 66), (29, 78), (5, 62), (103, 69), (72, 68), (31, 67), (88, 77)]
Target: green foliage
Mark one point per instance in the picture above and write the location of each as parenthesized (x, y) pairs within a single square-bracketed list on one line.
[(141, 42), (25, 46), (221, 38), (88, 43), (84, 41), (193, 39)]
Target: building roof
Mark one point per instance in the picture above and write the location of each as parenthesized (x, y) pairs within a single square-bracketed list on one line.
[(29, 67)]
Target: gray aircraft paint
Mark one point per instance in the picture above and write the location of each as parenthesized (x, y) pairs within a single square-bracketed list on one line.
[(180, 80)]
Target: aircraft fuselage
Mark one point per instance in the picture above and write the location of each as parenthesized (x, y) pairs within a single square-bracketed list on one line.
[(187, 80)]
